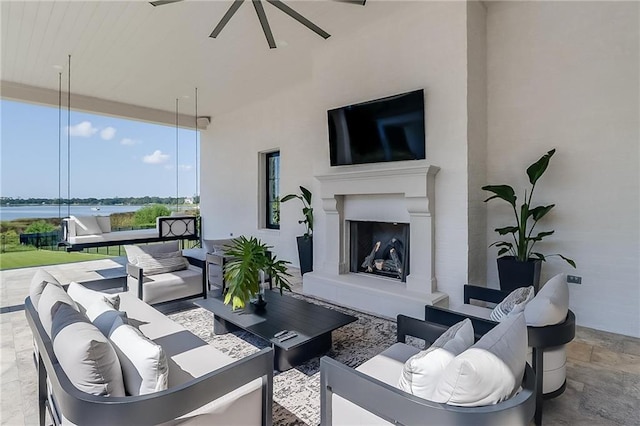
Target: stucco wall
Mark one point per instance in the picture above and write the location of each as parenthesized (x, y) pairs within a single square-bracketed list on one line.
[(558, 75), (565, 75)]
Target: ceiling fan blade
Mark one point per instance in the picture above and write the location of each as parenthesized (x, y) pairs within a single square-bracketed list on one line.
[(227, 16), (304, 21), (360, 2), (265, 24), (162, 2)]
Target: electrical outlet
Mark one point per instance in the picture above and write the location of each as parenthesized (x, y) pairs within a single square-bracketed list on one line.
[(573, 279), (231, 234)]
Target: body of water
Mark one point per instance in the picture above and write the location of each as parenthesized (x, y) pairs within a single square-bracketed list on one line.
[(31, 212)]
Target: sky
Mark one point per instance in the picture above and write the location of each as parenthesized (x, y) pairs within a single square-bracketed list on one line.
[(110, 157)]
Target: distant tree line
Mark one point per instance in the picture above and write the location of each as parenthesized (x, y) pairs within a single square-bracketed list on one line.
[(132, 201)]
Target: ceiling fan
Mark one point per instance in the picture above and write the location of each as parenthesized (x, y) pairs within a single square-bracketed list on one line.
[(257, 4)]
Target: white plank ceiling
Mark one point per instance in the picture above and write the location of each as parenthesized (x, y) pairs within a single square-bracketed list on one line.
[(133, 53)]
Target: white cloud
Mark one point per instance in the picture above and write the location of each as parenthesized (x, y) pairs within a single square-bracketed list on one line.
[(156, 158), (127, 141), (107, 133), (84, 129), (185, 167)]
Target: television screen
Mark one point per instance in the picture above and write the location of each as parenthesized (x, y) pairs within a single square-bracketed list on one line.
[(388, 129)]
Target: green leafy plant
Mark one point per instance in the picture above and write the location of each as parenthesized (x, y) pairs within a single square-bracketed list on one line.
[(526, 216), (148, 214), (307, 210), (249, 256), (39, 227)]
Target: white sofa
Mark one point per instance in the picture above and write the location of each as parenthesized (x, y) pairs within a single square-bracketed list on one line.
[(94, 231), (204, 385)]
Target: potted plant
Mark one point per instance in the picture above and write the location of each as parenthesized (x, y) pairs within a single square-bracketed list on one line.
[(305, 242), (244, 273), (521, 265)]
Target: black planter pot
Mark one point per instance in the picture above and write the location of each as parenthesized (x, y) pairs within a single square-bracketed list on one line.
[(305, 253), (513, 273)]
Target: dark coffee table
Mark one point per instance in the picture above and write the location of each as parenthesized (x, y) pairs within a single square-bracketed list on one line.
[(312, 323)]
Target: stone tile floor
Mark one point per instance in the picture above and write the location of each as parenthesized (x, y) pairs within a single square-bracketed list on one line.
[(603, 369)]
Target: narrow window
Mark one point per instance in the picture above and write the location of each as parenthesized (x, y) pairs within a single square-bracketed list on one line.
[(272, 192)]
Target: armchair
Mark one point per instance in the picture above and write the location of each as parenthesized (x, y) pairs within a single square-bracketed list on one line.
[(550, 326), (158, 273), (368, 395)]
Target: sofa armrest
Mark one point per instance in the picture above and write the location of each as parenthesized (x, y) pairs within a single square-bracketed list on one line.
[(446, 317), (136, 273), (86, 409), (399, 407), (408, 326), (483, 293)]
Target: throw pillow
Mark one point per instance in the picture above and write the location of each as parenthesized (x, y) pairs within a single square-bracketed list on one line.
[(85, 297), (550, 305), (52, 294), (513, 304), (490, 371), (85, 354), (421, 372), (86, 225), (161, 263), (38, 283), (102, 314), (134, 251), (144, 365)]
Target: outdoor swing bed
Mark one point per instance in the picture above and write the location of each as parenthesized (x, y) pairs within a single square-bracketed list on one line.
[(83, 232)]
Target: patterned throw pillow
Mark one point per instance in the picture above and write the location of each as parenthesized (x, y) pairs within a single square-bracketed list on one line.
[(161, 263), (513, 304)]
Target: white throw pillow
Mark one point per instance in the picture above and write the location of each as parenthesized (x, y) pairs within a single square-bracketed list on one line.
[(490, 371), (134, 251), (550, 305), (161, 263), (144, 364), (52, 294), (513, 304), (421, 372), (86, 225), (85, 297), (103, 315), (38, 283), (85, 354)]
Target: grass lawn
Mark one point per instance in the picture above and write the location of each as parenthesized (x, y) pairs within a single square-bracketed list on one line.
[(25, 259)]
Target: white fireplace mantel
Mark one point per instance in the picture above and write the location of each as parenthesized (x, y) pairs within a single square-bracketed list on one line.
[(411, 181)]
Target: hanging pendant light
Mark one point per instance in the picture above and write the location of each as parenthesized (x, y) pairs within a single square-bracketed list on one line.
[(69, 141), (59, 146), (197, 195), (177, 190)]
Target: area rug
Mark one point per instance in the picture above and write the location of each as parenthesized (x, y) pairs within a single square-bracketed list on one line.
[(296, 393)]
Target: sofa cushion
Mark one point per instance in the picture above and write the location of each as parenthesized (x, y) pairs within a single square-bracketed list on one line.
[(38, 283), (490, 371), (168, 286), (102, 314), (217, 246), (144, 364), (134, 251), (86, 225), (160, 263), (85, 354), (85, 297), (422, 371), (513, 304), (52, 294), (550, 305)]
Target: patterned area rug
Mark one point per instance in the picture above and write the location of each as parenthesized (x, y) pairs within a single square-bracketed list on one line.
[(296, 394)]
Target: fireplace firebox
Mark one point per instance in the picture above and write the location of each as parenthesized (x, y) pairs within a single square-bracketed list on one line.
[(379, 248)]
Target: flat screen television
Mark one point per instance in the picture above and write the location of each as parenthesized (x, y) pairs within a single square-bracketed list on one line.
[(387, 129)]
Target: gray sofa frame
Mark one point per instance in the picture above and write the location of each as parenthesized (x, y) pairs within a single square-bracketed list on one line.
[(539, 338), (399, 407), (85, 409)]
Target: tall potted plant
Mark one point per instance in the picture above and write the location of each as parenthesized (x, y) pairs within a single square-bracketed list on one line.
[(519, 265), (250, 262), (305, 242)]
